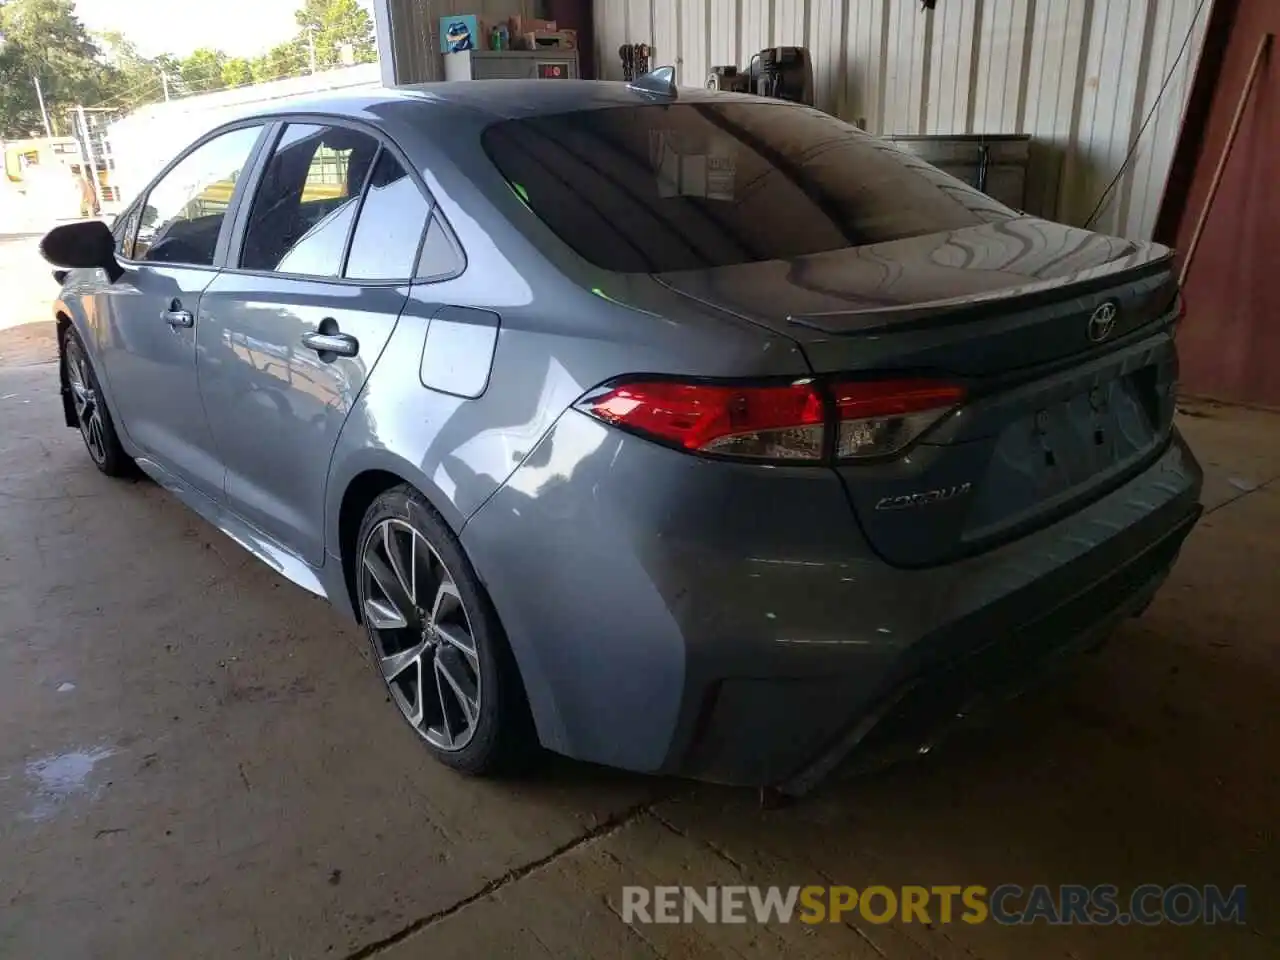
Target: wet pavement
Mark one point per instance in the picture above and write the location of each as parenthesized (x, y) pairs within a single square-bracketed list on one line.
[(197, 760)]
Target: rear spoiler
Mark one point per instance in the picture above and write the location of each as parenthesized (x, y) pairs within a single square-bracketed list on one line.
[(1151, 262)]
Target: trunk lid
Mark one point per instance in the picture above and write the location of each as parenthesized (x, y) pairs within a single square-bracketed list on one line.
[(980, 300), (1062, 338)]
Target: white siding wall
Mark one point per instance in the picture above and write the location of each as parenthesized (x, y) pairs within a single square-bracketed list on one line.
[(1078, 75)]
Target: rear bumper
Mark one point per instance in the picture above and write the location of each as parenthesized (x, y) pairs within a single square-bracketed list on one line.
[(730, 622), (1005, 648)]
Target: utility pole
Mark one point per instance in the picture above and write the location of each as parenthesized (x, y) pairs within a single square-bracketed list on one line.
[(311, 46), (164, 82), (90, 167), (44, 114)]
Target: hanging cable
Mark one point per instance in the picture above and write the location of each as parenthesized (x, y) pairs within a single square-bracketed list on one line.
[(1133, 147)]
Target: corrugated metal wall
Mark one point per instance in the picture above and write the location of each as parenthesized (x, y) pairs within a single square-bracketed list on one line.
[(1078, 75)]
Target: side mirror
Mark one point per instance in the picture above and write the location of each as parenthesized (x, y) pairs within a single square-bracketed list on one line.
[(81, 245)]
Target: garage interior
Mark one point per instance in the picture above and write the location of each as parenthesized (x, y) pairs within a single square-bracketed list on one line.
[(195, 759)]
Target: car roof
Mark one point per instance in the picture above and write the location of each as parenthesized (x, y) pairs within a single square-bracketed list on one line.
[(500, 99)]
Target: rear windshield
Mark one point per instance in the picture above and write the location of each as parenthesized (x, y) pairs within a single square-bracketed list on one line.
[(655, 188)]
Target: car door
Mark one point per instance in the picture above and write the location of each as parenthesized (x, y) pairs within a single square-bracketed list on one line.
[(292, 331), (169, 246)]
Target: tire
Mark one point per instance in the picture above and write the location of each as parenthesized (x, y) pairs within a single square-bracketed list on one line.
[(421, 613), (97, 428)]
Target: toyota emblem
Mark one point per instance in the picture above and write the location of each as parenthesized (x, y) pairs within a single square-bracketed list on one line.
[(1103, 321)]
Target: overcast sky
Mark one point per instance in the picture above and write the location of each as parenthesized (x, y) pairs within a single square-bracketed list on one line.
[(242, 28)]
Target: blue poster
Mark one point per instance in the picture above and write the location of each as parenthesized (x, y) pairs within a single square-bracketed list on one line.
[(459, 32)]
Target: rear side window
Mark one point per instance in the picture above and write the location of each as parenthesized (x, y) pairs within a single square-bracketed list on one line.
[(307, 201), (655, 188), (389, 231)]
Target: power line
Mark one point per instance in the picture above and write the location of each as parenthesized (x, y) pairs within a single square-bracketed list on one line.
[(291, 64), (217, 84), (149, 84), (155, 84), (295, 57)]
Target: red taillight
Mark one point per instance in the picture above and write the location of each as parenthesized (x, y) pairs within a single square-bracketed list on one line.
[(880, 417), (770, 423), (779, 423)]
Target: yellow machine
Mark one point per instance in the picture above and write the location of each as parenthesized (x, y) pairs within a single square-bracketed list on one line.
[(41, 151), (21, 155)]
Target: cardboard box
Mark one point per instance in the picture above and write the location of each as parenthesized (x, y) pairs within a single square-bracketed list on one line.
[(522, 25), (551, 40)]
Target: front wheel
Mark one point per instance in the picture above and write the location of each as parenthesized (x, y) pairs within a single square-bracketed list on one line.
[(92, 416), (437, 641)]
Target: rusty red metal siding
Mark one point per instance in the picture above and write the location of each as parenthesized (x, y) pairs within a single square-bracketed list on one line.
[(1230, 339)]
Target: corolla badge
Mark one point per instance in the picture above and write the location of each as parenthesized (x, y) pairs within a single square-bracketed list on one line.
[(1103, 321), (906, 500)]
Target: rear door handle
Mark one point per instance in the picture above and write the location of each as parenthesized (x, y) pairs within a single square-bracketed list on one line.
[(339, 344), (175, 317)]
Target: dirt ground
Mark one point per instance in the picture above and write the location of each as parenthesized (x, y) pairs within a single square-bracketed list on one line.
[(26, 328), (196, 760)]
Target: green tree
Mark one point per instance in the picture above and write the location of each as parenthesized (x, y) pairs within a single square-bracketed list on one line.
[(133, 80), (332, 24), (282, 60), (44, 40), (237, 72), (202, 70)]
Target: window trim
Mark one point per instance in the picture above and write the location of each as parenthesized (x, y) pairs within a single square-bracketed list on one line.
[(248, 172), (355, 221), (121, 220), (437, 216), (277, 123)]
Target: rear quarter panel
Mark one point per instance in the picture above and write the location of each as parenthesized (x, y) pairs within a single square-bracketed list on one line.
[(564, 328)]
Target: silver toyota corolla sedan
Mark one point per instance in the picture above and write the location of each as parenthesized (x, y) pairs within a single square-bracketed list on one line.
[(691, 433)]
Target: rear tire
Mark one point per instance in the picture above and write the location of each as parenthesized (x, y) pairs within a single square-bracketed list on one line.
[(97, 428), (437, 641)]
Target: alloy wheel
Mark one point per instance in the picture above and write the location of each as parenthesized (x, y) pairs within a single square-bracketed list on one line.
[(421, 634), (87, 405)]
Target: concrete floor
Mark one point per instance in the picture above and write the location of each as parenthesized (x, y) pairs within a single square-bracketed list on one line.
[(196, 759)]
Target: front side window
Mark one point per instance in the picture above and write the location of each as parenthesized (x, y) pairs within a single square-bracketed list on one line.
[(684, 186), (307, 201), (181, 218), (389, 231)]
